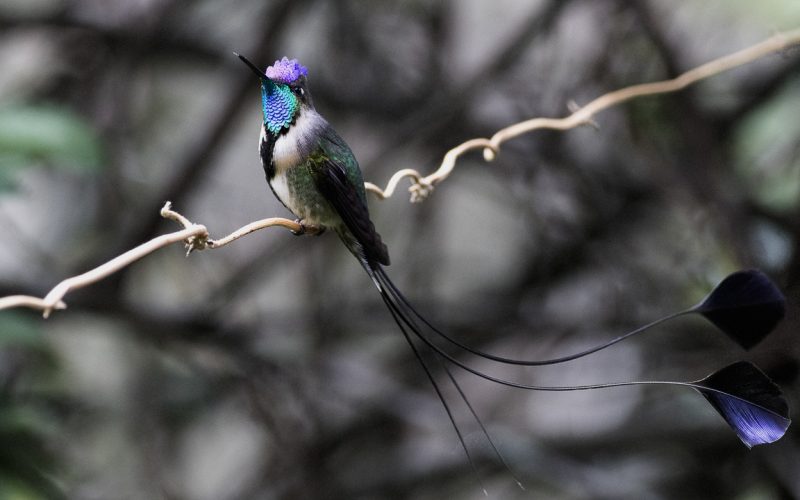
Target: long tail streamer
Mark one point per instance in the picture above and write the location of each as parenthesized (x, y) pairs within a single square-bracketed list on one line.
[(746, 306)]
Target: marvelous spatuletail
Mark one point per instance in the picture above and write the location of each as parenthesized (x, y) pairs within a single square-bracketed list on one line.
[(313, 172)]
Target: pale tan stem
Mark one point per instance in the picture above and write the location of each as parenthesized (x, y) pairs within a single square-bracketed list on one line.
[(59, 291), (583, 115), (204, 241), (393, 182), (421, 186), (168, 213), (27, 301), (53, 300), (291, 225), (195, 236)]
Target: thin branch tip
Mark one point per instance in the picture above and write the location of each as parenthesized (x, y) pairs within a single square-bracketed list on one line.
[(781, 43), (58, 306), (420, 190), (417, 180)]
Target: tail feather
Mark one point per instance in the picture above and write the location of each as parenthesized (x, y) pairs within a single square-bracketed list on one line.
[(480, 424), (397, 315), (748, 401), (501, 359), (403, 315)]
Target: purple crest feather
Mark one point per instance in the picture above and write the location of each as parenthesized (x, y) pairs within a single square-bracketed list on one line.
[(286, 71)]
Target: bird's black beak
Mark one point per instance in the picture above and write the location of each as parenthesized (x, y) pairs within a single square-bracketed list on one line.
[(253, 67)]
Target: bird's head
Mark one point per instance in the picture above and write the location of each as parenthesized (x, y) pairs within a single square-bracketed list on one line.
[(284, 92)]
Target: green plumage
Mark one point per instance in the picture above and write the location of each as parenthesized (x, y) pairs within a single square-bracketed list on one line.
[(316, 176)]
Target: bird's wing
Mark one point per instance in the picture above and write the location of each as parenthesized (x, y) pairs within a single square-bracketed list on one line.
[(337, 187)]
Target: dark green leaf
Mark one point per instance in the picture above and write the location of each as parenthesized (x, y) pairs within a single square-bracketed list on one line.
[(55, 136)]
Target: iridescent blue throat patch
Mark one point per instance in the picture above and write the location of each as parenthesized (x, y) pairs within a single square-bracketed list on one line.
[(280, 106)]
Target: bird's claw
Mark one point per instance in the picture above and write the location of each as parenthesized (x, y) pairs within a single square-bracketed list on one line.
[(302, 230), (307, 228)]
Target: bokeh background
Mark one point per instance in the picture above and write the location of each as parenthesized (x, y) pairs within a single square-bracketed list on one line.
[(269, 369)]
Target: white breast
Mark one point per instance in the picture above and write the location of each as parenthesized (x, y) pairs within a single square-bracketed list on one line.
[(281, 188), (289, 151), (290, 147)]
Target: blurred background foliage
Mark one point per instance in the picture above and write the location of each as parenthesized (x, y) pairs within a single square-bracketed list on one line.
[(270, 369)]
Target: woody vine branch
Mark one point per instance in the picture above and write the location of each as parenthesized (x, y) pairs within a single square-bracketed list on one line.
[(422, 186), (196, 236)]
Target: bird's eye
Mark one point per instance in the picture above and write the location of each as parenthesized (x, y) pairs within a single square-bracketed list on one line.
[(300, 91)]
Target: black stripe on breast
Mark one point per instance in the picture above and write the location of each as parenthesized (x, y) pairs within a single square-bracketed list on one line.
[(265, 150)]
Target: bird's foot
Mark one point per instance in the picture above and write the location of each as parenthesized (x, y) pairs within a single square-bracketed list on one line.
[(307, 228), (302, 230)]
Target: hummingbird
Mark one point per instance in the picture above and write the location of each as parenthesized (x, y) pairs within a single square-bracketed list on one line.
[(316, 176)]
